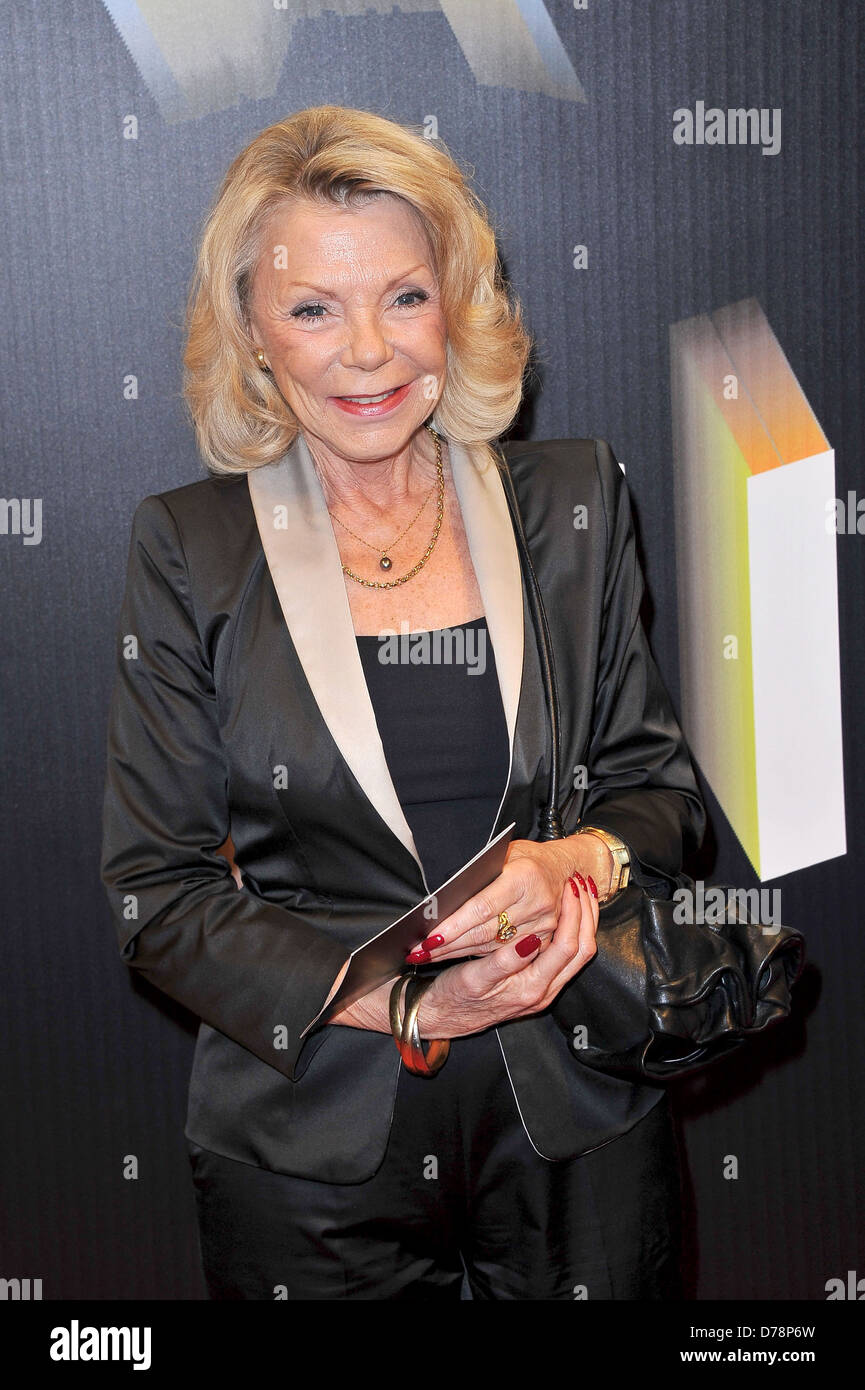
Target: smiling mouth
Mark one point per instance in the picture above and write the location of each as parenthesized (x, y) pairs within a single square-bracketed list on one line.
[(371, 400)]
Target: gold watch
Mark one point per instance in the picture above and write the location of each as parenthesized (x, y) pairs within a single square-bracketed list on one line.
[(621, 859)]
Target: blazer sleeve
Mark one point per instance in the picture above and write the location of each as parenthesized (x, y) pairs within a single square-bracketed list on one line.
[(641, 783), (245, 966)]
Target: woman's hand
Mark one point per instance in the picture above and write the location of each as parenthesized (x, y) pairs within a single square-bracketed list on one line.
[(514, 980), (511, 980), (529, 889)]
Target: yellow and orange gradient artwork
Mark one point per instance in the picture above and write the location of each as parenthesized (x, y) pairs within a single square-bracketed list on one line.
[(757, 589)]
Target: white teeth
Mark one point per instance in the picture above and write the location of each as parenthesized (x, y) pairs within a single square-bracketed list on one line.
[(369, 400)]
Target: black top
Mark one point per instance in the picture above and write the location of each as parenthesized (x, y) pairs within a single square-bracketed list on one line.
[(439, 712)]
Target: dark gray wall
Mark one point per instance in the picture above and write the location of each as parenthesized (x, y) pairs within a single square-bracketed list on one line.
[(98, 234)]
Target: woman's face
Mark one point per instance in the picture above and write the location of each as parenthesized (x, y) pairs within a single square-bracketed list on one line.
[(345, 304)]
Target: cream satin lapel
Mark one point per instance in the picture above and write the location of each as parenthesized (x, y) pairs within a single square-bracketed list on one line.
[(496, 561), (303, 559)]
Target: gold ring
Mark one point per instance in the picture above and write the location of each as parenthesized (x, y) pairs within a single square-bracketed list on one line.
[(506, 928)]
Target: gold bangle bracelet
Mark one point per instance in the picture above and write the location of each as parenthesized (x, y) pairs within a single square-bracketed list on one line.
[(427, 1064), (405, 1028)]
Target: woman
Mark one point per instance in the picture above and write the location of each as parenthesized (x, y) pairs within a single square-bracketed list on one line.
[(352, 352)]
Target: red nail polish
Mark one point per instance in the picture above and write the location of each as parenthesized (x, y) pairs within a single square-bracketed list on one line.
[(574, 889), (430, 941), (581, 881), (592, 887), (527, 945), (418, 957)]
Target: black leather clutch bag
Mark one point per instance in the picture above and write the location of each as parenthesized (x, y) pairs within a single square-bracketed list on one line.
[(663, 996)]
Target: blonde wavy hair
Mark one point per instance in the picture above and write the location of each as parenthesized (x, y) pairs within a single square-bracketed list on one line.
[(345, 156)]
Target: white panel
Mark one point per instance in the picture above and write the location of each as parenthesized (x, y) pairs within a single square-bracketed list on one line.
[(797, 691)]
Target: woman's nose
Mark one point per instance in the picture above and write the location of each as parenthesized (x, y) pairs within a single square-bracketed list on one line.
[(366, 345)]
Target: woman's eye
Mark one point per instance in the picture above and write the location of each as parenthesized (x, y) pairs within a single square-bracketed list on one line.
[(419, 295), (307, 311)]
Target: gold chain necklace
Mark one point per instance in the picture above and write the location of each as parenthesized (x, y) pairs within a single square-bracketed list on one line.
[(394, 583), (386, 562)]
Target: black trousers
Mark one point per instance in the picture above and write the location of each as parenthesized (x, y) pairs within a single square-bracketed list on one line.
[(460, 1192)]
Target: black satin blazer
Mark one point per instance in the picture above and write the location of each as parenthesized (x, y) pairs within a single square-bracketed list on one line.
[(240, 707)]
